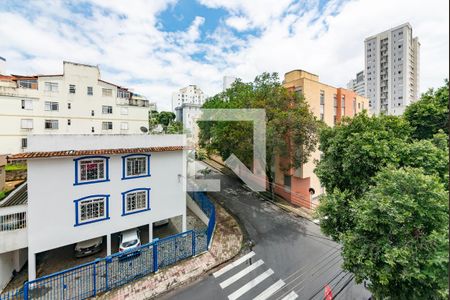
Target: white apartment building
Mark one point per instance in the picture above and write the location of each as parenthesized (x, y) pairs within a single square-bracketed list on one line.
[(392, 61), (186, 104), (75, 102), (87, 186), (358, 85)]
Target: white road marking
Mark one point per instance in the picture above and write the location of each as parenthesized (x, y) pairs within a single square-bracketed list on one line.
[(291, 296), (234, 264), (241, 274), (270, 291), (249, 285)]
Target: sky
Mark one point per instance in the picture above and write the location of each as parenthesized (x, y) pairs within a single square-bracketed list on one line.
[(155, 47)]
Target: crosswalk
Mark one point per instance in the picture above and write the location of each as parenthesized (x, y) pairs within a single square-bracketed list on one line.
[(249, 278)]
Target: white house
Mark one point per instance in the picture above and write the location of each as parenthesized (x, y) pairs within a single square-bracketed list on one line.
[(86, 186), (75, 102)]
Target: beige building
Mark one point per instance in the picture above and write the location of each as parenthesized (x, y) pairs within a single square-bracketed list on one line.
[(75, 102), (328, 104)]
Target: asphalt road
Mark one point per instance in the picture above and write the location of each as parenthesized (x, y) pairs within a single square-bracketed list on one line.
[(289, 257)]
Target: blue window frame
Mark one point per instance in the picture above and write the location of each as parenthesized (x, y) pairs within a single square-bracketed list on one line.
[(135, 166), (135, 201), (91, 209), (91, 169)]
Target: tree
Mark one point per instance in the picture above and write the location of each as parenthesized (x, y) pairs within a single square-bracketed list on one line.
[(399, 242), (174, 127), (430, 113), (165, 117), (291, 129), (355, 151)]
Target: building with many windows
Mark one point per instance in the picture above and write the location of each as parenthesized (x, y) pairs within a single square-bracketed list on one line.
[(327, 103), (82, 187), (358, 85), (75, 102), (392, 60)]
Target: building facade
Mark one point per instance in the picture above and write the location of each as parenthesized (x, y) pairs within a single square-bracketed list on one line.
[(104, 185), (358, 85), (392, 66), (329, 104), (75, 102)]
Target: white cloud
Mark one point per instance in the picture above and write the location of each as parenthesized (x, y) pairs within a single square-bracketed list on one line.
[(132, 50)]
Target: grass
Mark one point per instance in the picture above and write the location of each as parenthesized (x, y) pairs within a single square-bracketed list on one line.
[(2, 195), (15, 167)]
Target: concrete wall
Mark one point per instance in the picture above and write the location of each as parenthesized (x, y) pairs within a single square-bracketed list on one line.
[(10, 262), (15, 239), (196, 210)]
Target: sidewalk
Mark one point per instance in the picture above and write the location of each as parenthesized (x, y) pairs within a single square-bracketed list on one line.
[(226, 244)]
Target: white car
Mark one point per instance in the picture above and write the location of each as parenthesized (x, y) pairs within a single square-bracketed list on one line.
[(88, 247), (129, 239)]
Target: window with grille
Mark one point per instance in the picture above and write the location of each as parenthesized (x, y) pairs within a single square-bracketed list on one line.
[(24, 143), (13, 221), (107, 125), (51, 124), (51, 106), (91, 209), (136, 200), (28, 84), (90, 91), (136, 165), (92, 169), (71, 88)]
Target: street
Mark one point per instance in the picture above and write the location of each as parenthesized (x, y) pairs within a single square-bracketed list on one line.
[(290, 258)]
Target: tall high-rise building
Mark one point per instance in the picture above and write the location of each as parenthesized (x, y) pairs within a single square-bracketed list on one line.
[(392, 70), (358, 85)]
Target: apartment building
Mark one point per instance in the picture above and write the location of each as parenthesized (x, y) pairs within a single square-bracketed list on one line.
[(75, 102), (392, 65), (327, 103), (186, 104), (104, 185), (358, 85)]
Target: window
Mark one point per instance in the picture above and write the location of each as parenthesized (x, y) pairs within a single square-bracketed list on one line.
[(123, 94), (51, 106), (124, 126), (343, 105), (90, 91), (124, 110), (136, 200), (135, 165), (28, 84), (51, 124), (106, 109), (107, 125), (51, 86), (322, 105), (299, 91), (24, 143), (335, 104), (26, 123), (27, 104), (287, 182), (91, 169), (69, 105), (354, 106), (107, 92), (91, 209), (71, 88), (92, 113)]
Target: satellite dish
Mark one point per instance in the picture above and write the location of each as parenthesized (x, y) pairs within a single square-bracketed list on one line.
[(144, 129)]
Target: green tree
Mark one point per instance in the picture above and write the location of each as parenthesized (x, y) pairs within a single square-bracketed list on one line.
[(152, 119), (291, 129), (165, 117), (174, 128), (355, 151), (399, 242), (430, 113)]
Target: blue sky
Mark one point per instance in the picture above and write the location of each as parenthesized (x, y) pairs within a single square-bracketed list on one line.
[(158, 46)]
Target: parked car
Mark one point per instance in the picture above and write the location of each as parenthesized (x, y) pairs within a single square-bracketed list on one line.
[(161, 223), (129, 239), (88, 247)]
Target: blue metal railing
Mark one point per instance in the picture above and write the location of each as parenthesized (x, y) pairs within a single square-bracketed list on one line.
[(103, 274)]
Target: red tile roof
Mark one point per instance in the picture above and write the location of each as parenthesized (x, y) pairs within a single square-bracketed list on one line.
[(68, 153)]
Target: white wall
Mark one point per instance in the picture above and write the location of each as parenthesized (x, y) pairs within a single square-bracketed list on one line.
[(14, 239), (51, 210), (9, 262)]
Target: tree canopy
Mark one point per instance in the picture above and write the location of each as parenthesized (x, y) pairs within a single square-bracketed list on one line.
[(287, 115), (399, 242), (430, 114)]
